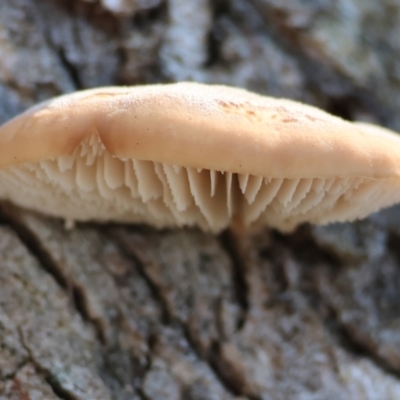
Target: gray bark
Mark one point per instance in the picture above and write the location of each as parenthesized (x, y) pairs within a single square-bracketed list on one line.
[(128, 312)]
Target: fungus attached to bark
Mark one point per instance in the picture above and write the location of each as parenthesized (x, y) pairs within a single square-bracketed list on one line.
[(192, 154)]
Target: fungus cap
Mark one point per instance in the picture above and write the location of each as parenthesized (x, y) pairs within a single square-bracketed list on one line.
[(194, 154)]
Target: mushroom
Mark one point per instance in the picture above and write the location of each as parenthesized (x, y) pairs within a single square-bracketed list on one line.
[(194, 154)]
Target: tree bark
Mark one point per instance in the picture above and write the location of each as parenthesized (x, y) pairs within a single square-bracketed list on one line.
[(129, 312)]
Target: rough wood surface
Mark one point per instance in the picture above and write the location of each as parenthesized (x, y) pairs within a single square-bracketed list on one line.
[(128, 312)]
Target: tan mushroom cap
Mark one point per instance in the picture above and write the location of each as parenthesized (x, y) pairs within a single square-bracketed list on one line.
[(193, 154)]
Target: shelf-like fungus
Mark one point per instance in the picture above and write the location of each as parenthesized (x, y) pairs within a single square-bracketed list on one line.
[(192, 154)]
